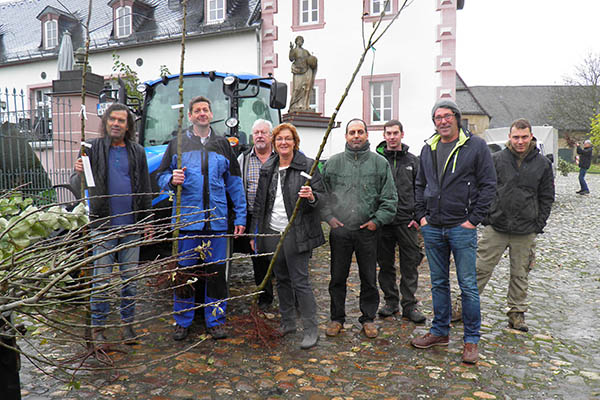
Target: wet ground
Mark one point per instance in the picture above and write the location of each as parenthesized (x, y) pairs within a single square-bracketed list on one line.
[(558, 358)]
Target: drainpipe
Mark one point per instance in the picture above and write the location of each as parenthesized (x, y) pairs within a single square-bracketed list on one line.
[(258, 50)]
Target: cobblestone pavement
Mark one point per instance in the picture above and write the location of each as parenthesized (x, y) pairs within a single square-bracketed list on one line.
[(558, 358)]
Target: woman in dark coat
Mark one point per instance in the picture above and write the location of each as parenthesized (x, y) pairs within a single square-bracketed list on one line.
[(280, 184)]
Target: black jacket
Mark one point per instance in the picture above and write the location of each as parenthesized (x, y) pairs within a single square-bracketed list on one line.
[(525, 194), (585, 157), (307, 225), (138, 173), (405, 167), (467, 187)]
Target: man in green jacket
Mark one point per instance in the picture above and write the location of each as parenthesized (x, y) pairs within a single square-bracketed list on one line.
[(362, 198)]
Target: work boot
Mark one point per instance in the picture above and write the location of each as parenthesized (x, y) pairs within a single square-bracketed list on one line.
[(128, 335), (333, 328), (98, 336), (180, 332), (516, 320), (217, 332), (370, 330), (310, 339), (286, 328), (428, 340), (388, 310), (470, 353), (414, 315)]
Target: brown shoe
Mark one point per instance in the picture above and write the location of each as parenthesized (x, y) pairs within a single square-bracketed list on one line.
[(370, 329), (428, 340), (470, 353), (333, 328), (516, 320)]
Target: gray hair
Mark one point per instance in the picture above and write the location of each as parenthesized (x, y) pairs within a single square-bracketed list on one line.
[(263, 121), (587, 141)]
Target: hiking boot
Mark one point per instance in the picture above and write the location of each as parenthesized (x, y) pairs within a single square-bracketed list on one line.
[(414, 315), (128, 335), (217, 332), (287, 328), (388, 311), (428, 340), (370, 329), (470, 353), (333, 328), (98, 337), (456, 311), (310, 339), (516, 320), (265, 306), (180, 332)]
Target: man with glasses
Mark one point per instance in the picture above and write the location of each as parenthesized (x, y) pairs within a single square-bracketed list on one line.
[(250, 162), (455, 186)]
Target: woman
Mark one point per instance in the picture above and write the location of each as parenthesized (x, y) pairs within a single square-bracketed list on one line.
[(280, 184)]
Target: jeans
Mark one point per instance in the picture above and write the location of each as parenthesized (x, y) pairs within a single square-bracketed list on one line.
[(462, 242), (127, 260), (343, 243), (582, 182)]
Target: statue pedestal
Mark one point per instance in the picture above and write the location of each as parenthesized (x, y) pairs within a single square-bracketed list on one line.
[(311, 128)]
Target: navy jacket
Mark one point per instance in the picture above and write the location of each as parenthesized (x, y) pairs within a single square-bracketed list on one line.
[(467, 187)]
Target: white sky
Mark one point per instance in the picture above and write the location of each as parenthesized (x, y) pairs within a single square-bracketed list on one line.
[(524, 42)]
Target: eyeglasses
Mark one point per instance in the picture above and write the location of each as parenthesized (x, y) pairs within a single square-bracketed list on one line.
[(440, 118)]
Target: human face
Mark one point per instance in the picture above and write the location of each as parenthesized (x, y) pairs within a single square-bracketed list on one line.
[(284, 143), (200, 116), (446, 124), (393, 137), (116, 126), (520, 139), (261, 135), (356, 135)]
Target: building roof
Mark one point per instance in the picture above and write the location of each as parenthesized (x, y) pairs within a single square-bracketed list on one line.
[(153, 20), (466, 101)]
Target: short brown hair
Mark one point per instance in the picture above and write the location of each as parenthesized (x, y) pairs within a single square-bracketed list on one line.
[(281, 127), (520, 123), (393, 122), (199, 99)]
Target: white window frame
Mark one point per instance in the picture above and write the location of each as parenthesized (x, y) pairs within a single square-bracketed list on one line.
[(381, 90), (123, 21), (215, 11), (310, 9), (50, 34), (377, 6)]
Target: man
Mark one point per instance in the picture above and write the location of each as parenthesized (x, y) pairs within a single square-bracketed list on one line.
[(362, 199), (455, 186), (250, 162), (209, 174), (519, 212), (402, 230), (120, 198), (585, 161)]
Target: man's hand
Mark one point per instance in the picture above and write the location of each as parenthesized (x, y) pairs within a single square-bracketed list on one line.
[(423, 221), (148, 232), (252, 245), (78, 165), (413, 224), (369, 225), (306, 193), (468, 225), (334, 223), (178, 176), (238, 230)]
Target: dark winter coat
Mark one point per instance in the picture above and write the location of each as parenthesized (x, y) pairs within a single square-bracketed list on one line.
[(405, 167), (585, 157), (307, 225), (467, 187), (524, 194), (138, 173), (360, 188)]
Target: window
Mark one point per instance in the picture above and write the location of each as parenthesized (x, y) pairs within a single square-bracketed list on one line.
[(51, 34), (380, 99), (377, 6), (216, 11), (123, 21), (307, 14)]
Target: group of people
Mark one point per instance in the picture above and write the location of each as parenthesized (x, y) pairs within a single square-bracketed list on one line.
[(373, 201)]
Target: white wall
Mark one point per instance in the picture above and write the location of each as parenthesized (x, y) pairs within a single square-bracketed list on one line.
[(408, 48), (226, 53)]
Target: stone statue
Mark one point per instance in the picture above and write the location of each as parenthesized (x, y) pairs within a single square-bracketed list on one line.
[(304, 68)]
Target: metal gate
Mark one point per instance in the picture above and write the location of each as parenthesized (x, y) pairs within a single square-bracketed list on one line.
[(36, 146)]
